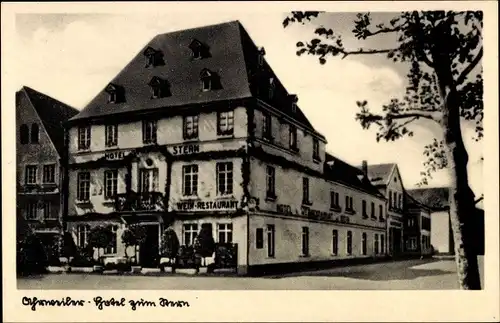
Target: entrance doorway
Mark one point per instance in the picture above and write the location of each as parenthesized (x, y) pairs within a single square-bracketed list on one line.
[(149, 249)]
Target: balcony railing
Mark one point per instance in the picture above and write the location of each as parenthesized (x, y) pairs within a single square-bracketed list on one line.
[(146, 201)]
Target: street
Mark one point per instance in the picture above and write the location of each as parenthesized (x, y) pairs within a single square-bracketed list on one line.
[(428, 274)]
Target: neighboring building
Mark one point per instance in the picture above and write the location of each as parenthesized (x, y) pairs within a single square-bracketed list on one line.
[(197, 131), (39, 147), (437, 199), (417, 228), (387, 178)]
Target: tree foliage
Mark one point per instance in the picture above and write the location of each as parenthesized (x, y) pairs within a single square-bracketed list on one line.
[(204, 244), (419, 36), (169, 244), (133, 236)]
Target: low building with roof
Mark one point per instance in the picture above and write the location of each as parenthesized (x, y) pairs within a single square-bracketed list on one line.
[(198, 131), (437, 199)]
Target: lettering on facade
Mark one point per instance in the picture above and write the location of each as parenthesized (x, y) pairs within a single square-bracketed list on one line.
[(304, 212), (395, 224), (207, 205), (186, 149), (115, 155), (344, 219)]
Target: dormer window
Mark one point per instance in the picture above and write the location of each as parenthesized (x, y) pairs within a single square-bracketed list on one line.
[(272, 87), (294, 99), (116, 93), (160, 87), (209, 80), (199, 50), (260, 56), (153, 57)]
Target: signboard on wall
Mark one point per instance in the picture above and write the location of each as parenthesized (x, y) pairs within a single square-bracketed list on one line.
[(185, 149), (220, 205), (304, 212)]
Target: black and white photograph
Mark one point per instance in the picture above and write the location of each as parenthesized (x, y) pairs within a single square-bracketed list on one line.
[(233, 150)]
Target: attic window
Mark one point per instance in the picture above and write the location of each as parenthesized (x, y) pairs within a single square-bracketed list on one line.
[(209, 80), (160, 87), (199, 50), (116, 93), (260, 56), (153, 57)]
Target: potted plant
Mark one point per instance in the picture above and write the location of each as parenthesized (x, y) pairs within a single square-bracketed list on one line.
[(204, 244), (169, 248), (133, 236), (100, 237)]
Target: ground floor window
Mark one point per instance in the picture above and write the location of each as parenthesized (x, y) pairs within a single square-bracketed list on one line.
[(363, 244), (305, 241), (225, 232), (375, 246), (382, 244), (412, 244), (349, 243), (111, 249), (47, 211), (270, 240), (259, 238), (190, 231), (32, 211), (335, 242), (82, 232)]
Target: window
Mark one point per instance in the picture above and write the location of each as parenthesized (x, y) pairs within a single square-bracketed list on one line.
[(111, 248), (84, 137), (315, 149), (293, 138), (199, 50), (49, 174), (260, 56), (110, 184), (412, 244), (148, 180), (149, 131), (335, 242), (376, 244), (46, 211), (267, 131), (190, 232), (365, 215), (270, 182), (259, 238), (305, 190), (348, 204), (190, 180), (270, 240), (34, 133), (363, 244), (382, 244), (190, 127), (31, 174), (82, 233), (373, 216), (395, 199), (381, 212), (24, 134), (32, 211), (305, 241), (349, 243), (334, 200), (400, 201), (83, 192), (111, 134), (225, 123), (224, 178), (272, 87), (225, 232), (390, 199), (206, 80)]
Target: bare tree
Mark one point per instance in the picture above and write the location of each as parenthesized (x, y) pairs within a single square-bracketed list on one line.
[(443, 50)]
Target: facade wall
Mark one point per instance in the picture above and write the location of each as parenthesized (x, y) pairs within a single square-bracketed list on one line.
[(288, 240), (394, 193), (440, 231), (37, 155)]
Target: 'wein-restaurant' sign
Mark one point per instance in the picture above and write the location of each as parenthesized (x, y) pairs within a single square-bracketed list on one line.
[(207, 205)]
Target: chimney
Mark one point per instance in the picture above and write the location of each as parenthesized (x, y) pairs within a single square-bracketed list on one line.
[(364, 168)]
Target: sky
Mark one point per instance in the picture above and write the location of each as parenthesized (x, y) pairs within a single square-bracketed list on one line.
[(71, 57)]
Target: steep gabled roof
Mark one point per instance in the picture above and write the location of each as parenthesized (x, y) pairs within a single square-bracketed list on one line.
[(379, 173), (232, 57), (436, 198), (339, 171), (53, 113)]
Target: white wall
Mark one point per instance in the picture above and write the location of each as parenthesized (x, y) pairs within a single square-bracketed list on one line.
[(440, 233)]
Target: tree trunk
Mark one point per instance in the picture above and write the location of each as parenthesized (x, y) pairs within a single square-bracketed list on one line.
[(461, 206)]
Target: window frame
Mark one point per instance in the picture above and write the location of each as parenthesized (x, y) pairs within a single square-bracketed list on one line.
[(349, 243), (224, 175), (190, 171), (149, 132), (112, 248), (113, 181), (375, 244), (226, 117), (111, 135), (85, 232), (31, 211), (316, 150), (271, 241), (27, 173), (364, 244), (194, 121), (227, 230), (335, 242), (292, 138), (305, 242), (192, 232), (267, 126), (259, 238), (306, 191), (270, 182), (84, 137), (80, 191), (47, 211), (52, 179)]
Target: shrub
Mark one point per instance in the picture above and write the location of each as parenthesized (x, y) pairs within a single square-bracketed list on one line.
[(226, 255), (84, 257), (100, 237), (169, 244), (133, 236), (67, 246), (31, 255), (187, 258), (204, 244)]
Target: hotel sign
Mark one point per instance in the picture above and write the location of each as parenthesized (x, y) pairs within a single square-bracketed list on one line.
[(223, 205), (185, 149), (115, 155)]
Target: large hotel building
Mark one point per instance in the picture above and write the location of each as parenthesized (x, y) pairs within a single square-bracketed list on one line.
[(198, 130)]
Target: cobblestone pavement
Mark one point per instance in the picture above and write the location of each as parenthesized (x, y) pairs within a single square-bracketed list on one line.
[(411, 275)]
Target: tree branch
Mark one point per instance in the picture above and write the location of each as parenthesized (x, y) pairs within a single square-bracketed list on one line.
[(416, 115), (471, 66), (364, 51), (478, 200), (385, 30)]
